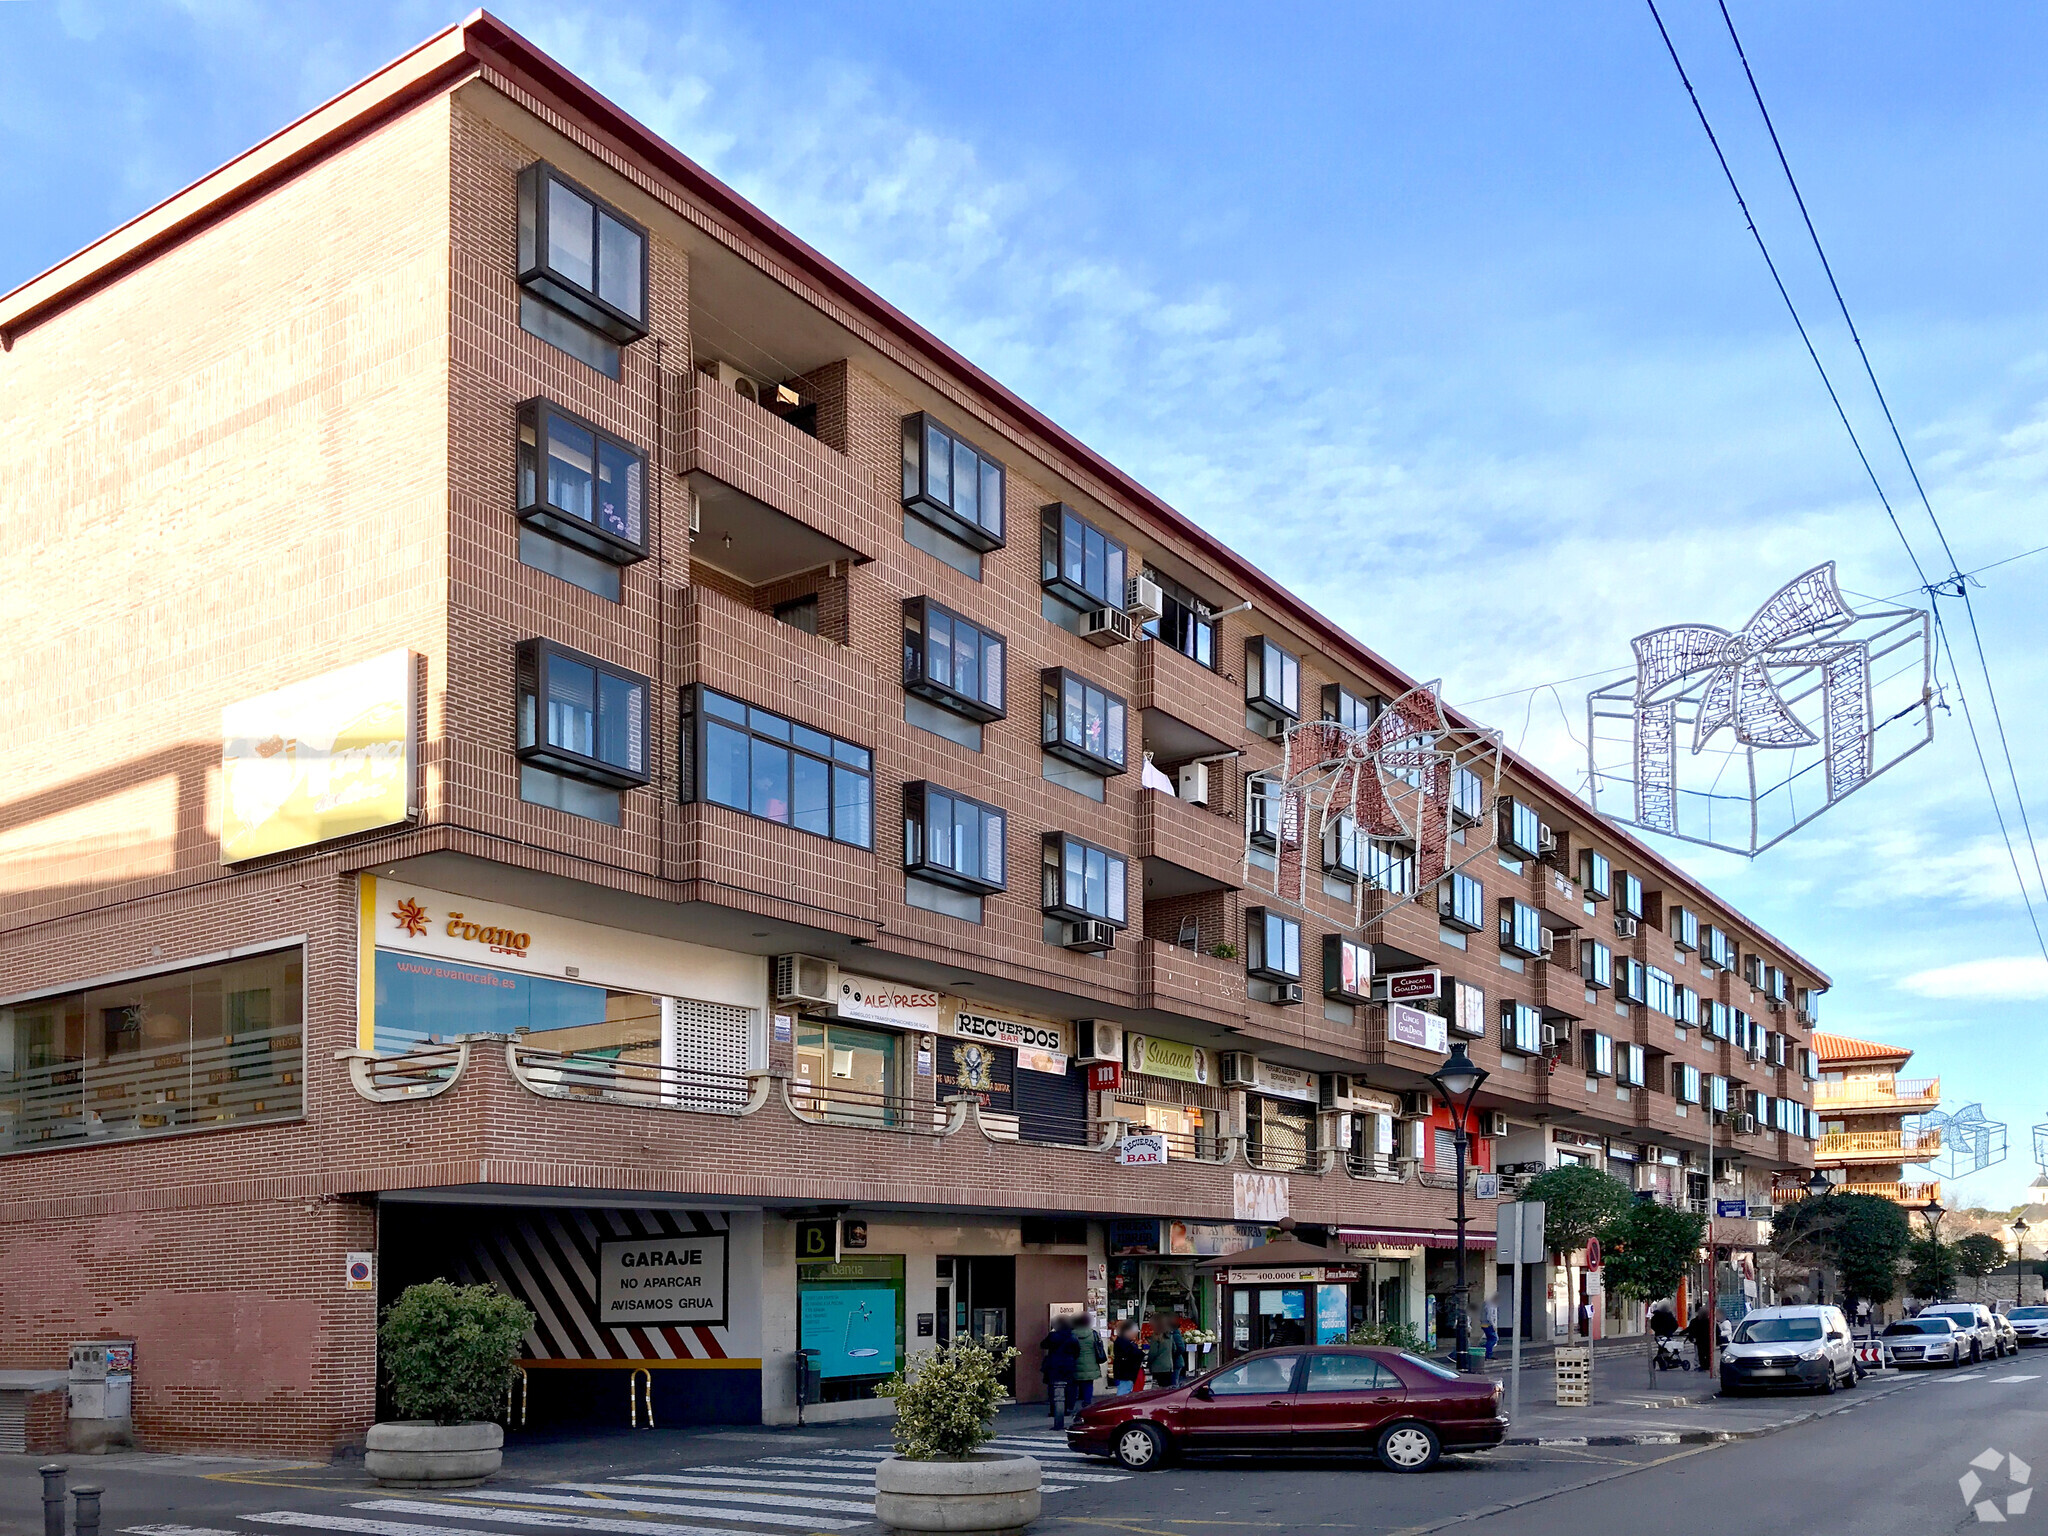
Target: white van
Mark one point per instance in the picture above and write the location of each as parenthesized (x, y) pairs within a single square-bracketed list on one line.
[(1974, 1319), (1789, 1348)]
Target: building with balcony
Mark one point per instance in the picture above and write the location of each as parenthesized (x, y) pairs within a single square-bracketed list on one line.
[(1869, 1143), (542, 787)]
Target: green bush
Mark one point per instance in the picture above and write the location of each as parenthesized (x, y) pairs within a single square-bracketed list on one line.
[(449, 1350), (1392, 1335), (946, 1399)]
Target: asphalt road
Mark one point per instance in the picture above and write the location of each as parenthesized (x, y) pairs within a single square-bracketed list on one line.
[(1885, 1458)]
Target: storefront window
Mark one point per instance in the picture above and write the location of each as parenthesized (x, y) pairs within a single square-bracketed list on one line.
[(198, 1049), (847, 1075), (851, 1312), (1283, 1135)]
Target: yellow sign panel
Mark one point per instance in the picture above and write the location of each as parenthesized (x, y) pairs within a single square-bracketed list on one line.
[(318, 759)]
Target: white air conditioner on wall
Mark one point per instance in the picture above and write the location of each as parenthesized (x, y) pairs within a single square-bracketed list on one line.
[(1546, 944), (1333, 1091), (1493, 1124), (1549, 1037), (1143, 600), (1414, 1143), (1287, 992), (736, 379), (1416, 1104), (1546, 840), (805, 979), (1099, 1040), (1089, 936), (1106, 627), (1625, 927), (1237, 1069), (1191, 783)]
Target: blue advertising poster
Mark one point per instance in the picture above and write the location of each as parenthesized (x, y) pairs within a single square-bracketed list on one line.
[(1333, 1313), (853, 1329), (418, 995)]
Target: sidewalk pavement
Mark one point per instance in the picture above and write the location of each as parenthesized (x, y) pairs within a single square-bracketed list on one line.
[(1684, 1410)]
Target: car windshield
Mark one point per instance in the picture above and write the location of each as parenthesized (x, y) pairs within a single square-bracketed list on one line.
[(1922, 1325), (1963, 1318), (1777, 1330), (2028, 1314), (1430, 1366)]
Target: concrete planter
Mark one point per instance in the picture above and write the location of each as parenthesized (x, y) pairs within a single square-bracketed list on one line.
[(989, 1492), (416, 1454)]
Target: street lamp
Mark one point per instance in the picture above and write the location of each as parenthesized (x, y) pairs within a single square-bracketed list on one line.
[(1933, 1212), (1458, 1080), (2019, 1278), (1819, 1185)]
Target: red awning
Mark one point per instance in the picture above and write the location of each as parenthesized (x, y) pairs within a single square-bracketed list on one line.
[(1414, 1239)]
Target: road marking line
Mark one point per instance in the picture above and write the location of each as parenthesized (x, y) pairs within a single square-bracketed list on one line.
[(728, 1494), (842, 1472), (174, 1530), (562, 1520)]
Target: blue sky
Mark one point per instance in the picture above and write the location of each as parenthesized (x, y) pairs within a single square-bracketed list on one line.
[(1442, 314)]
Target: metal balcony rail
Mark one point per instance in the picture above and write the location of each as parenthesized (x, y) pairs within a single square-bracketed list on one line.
[(626, 1079), (1052, 1130), (422, 1067), (1361, 1164), (1879, 1093), (1282, 1156), (826, 1104), (248, 1076), (1181, 1146), (1851, 1143)]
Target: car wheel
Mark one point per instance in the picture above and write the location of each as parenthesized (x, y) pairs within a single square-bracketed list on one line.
[(1828, 1383), (1976, 1352), (1853, 1375), (1409, 1447), (1139, 1447)]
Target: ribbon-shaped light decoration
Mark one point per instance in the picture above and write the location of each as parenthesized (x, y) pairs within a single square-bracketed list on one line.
[(1733, 678)]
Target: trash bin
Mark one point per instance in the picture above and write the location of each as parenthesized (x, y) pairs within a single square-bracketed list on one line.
[(102, 1394)]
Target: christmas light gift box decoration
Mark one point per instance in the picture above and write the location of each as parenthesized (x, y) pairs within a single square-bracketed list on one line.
[(1737, 738)]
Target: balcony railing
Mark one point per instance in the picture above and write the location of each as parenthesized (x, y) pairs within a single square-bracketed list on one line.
[(1883, 1145), (250, 1076), (624, 1080), (1908, 1093), (1903, 1193)]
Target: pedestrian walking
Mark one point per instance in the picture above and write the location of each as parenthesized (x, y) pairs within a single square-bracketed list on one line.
[(1060, 1350), (1094, 1354), (1126, 1360), (1491, 1326), (1159, 1351)]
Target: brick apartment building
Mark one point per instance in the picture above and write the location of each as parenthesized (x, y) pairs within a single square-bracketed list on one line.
[(598, 756)]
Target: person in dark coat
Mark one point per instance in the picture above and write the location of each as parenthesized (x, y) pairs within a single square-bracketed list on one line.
[(1061, 1352), (1126, 1360)]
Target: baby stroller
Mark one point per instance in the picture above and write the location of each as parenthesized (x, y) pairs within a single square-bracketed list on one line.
[(1672, 1353)]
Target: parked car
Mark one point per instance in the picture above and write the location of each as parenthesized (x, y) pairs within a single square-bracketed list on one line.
[(2008, 1336), (1925, 1340), (2029, 1324), (1973, 1318), (1405, 1409), (1779, 1348)]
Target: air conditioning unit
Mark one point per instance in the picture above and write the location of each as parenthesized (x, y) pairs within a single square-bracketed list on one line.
[(1776, 1006), (1333, 1091), (805, 979), (1099, 1040), (1493, 1124), (1413, 1144), (1236, 1069), (1416, 1104), (1143, 600), (1546, 944), (1106, 627), (1550, 1037), (1091, 937), (1546, 840), (744, 384), (1745, 1125), (1724, 1170), (1625, 927), (1191, 783), (1653, 1154), (1287, 992)]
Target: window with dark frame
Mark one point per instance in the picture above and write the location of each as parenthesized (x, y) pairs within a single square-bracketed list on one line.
[(1660, 992), (951, 484), (799, 613), (1351, 710), (1596, 963), (581, 254), (1344, 847), (580, 484), (1078, 562), (767, 765), (952, 840), (1521, 928), (1461, 903), (1521, 829), (1685, 928), (581, 717), (953, 662), (1521, 1028), (1272, 945), (1347, 969), (1390, 866), (1272, 680), (1083, 881), (1599, 1054), (1688, 1002), (1185, 623), (1630, 981), (1082, 723), (1596, 876), (1628, 895), (1468, 796)]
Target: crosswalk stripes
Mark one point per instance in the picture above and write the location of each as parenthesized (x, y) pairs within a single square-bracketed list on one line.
[(829, 1490)]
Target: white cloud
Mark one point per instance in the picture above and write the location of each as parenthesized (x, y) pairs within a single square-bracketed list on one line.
[(2008, 978)]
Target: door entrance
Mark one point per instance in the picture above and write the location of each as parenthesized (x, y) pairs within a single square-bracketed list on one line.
[(980, 1301)]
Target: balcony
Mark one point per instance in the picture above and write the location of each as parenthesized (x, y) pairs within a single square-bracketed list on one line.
[(772, 500), (1911, 1094), (1557, 896), (1910, 1195), (1878, 1146), (1187, 848), (1190, 984), (1188, 710)]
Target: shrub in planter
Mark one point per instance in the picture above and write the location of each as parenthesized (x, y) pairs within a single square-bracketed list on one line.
[(940, 1479), (449, 1354)]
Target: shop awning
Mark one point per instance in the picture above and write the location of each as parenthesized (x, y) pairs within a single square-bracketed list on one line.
[(1412, 1237), (1286, 1253)]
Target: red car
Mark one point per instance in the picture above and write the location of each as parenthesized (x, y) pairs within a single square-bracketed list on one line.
[(1406, 1409)]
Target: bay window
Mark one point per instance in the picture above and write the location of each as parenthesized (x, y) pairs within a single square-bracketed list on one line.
[(955, 663), (1461, 904), (1344, 847), (953, 841), (1390, 866), (1628, 895), (1521, 1028), (1272, 680), (1352, 711), (580, 484), (1272, 945), (1083, 881), (1599, 1054), (581, 254), (767, 765), (1631, 981), (1632, 1064), (1078, 561), (951, 484), (1521, 927), (1521, 830), (1596, 874), (1082, 723), (581, 717), (1659, 992), (1685, 928), (1596, 963), (1347, 969)]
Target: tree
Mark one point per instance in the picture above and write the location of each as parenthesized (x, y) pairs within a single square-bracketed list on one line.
[(1933, 1268), (1977, 1255), (1579, 1203), (1649, 1248), (1861, 1238)]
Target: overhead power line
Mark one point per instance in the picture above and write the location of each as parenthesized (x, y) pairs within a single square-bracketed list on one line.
[(1955, 584)]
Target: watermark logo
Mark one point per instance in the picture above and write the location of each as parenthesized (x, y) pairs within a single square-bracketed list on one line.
[(2017, 1474)]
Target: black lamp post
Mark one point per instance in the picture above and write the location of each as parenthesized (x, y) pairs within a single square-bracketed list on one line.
[(1458, 1080), (1933, 1212), (1819, 1188), (2019, 1278)]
